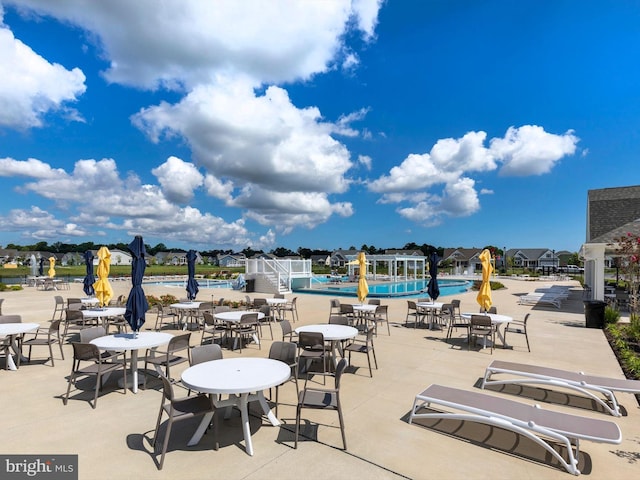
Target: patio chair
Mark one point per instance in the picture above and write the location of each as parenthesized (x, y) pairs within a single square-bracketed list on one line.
[(178, 409), (412, 311), (286, 352), (73, 319), (322, 399), (90, 333), (170, 357), (164, 314), (58, 309), (247, 327), (334, 307), (212, 327), (267, 319), (313, 349), (292, 307), (365, 346), (287, 332), (204, 353), (520, 373), (481, 326), (529, 421), (381, 315), (87, 352), (456, 321), (519, 327), (46, 337)]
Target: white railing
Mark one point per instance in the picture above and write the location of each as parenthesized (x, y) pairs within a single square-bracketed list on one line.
[(282, 269)]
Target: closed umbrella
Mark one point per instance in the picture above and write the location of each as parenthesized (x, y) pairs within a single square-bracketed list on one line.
[(137, 304), (432, 287), (484, 295), (363, 287), (192, 284), (41, 267), (102, 287), (34, 265), (89, 279), (52, 267)]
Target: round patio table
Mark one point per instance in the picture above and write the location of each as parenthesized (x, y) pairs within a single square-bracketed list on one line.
[(244, 380), (132, 342), (11, 330)]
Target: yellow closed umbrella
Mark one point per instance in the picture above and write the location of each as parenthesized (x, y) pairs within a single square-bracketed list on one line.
[(363, 287), (52, 264), (102, 287), (484, 295)]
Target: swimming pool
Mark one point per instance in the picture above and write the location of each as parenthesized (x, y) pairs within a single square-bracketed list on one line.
[(411, 288), (202, 283)]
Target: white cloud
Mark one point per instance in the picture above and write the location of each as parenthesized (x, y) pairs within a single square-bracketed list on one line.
[(365, 160), (529, 150), (31, 87), (31, 167), (188, 42), (95, 197), (178, 179), (258, 144)]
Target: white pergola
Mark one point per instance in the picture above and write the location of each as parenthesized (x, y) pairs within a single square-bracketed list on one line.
[(417, 264)]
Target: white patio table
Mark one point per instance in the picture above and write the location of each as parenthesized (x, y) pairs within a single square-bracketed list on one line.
[(496, 320), (101, 314), (186, 309), (431, 308), (244, 380), (11, 330), (333, 333), (132, 342)]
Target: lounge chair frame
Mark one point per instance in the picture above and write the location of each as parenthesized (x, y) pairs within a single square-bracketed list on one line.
[(531, 421), (578, 381)]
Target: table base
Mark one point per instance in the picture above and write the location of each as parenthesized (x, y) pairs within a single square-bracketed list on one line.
[(242, 402)]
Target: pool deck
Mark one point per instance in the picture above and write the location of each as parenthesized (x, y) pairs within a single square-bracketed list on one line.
[(113, 441)]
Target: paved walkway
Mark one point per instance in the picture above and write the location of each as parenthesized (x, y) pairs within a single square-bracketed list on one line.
[(113, 440)]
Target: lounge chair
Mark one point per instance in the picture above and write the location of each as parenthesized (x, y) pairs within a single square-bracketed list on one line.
[(530, 421), (586, 384), (536, 298)]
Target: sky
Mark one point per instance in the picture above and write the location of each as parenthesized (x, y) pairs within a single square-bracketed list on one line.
[(321, 124)]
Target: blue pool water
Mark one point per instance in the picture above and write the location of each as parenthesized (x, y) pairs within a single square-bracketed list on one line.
[(412, 288), (202, 283)]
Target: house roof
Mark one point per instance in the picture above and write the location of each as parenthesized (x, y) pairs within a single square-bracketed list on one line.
[(529, 253), (612, 212)]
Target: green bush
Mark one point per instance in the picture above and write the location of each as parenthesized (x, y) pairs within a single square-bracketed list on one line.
[(611, 315)]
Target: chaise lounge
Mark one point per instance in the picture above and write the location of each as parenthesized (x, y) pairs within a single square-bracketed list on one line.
[(521, 373), (527, 420)]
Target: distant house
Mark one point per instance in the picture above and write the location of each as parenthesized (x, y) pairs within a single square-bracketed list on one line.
[(340, 258), (463, 260), (321, 260), (405, 253), (231, 260), (533, 258), (72, 258)]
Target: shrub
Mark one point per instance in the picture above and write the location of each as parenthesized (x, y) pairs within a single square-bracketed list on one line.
[(168, 299), (611, 315)]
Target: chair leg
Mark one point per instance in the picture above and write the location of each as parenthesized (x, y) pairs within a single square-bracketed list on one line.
[(297, 425), (165, 444), (344, 438)]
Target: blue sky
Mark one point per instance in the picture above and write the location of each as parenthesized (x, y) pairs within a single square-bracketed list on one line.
[(319, 124)]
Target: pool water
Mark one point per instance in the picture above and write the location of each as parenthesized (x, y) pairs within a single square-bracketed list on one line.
[(202, 283), (415, 288)]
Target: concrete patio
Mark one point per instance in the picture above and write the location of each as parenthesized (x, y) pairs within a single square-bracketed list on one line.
[(113, 441)]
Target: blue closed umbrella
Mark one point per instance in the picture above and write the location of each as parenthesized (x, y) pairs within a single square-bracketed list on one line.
[(432, 287), (89, 279), (41, 267), (192, 284), (137, 304)]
